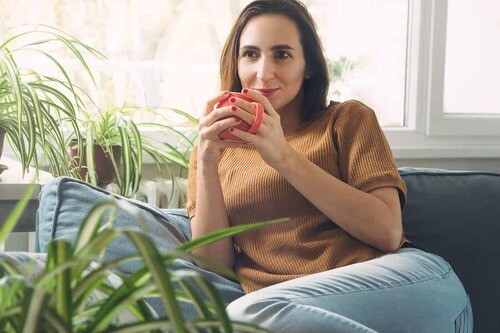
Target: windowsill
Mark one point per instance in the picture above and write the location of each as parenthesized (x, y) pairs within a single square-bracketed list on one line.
[(405, 144), (410, 144), (445, 152)]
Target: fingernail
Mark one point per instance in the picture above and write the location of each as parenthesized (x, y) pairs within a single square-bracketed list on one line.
[(245, 90), (233, 108), (232, 100)]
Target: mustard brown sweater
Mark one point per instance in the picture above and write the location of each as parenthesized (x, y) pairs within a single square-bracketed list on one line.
[(348, 143)]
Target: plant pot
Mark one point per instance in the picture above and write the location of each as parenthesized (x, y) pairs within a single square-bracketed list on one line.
[(105, 172), (2, 137)]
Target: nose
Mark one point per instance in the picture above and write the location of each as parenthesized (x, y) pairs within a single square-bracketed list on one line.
[(265, 70)]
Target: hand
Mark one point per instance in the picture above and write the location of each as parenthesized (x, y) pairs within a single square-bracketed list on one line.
[(269, 139), (211, 124)]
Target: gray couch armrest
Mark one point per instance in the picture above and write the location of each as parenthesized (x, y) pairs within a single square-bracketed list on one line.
[(456, 214)]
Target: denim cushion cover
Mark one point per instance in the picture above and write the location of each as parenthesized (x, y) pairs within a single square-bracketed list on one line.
[(64, 203)]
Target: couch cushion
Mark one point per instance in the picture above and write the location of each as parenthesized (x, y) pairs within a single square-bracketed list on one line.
[(64, 203), (456, 214)]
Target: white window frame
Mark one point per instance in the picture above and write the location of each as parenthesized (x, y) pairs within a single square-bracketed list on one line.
[(448, 124), (429, 132)]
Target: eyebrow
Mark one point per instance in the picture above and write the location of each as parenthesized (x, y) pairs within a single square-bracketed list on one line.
[(274, 48)]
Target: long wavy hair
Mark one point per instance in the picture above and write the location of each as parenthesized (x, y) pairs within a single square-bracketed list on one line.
[(315, 89)]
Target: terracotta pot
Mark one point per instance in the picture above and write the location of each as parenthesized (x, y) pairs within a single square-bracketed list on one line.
[(103, 165), (2, 137)]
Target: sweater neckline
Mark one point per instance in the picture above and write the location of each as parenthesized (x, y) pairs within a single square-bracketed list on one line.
[(305, 125)]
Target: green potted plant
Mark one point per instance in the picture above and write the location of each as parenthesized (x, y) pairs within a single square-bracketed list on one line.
[(119, 143), (7, 121), (70, 289), (33, 105)]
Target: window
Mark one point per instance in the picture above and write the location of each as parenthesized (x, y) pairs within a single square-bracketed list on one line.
[(472, 66), (427, 68), (159, 53), (167, 52), (368, 40), (463, 44)]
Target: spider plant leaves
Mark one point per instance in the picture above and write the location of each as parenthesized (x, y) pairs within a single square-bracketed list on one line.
[(38, 101), (223, 233), (78, 293), (116, 127), (89, 153), (161, 277)]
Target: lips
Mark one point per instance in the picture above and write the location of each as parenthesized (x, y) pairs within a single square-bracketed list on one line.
[(267, 92)]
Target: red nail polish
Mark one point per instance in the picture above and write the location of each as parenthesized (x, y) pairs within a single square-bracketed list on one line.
[(233, 108), (232, 100), (245, 90), (231, 129)]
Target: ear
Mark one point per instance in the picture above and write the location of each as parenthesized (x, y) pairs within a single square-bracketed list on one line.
[(308, 73)]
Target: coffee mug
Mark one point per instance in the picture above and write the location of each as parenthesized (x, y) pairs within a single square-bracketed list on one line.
[(244, 126)]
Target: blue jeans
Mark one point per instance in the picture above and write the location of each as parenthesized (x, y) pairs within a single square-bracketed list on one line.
[(407, 291)]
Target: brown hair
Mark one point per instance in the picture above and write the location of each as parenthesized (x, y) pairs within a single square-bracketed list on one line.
[(315, 89)]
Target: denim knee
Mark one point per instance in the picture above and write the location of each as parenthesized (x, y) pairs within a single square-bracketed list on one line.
[(345, 297), (246, 308), (281, 314), (464, 322)]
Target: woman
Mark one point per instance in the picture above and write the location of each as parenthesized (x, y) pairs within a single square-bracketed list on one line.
[(342, 262)]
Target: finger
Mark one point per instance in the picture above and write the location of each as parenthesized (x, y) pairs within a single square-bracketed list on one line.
[(222, 125), (217, 114), (221, 95), (244, 105), (250, 138), (254, 95), (247, 117), (233, 144)]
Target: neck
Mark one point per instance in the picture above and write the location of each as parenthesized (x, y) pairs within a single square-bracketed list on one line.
[(290, 114)]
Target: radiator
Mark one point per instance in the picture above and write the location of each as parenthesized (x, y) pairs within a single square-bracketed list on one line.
[(159, 192)]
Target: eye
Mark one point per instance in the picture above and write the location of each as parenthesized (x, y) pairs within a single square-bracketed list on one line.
[(282, 55), (248, 54)]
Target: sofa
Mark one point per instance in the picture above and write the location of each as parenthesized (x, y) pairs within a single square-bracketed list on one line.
[(455, 214)]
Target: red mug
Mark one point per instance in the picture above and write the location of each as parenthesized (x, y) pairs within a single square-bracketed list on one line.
[(244, 126)]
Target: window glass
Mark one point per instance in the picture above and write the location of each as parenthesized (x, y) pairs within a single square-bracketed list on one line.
[(166, 53), (472, 67)]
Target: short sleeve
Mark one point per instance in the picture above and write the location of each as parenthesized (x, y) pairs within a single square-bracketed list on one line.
[(366, 160), (191, 183)]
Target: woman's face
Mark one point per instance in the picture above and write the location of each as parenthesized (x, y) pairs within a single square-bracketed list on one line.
[(271, 59)]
